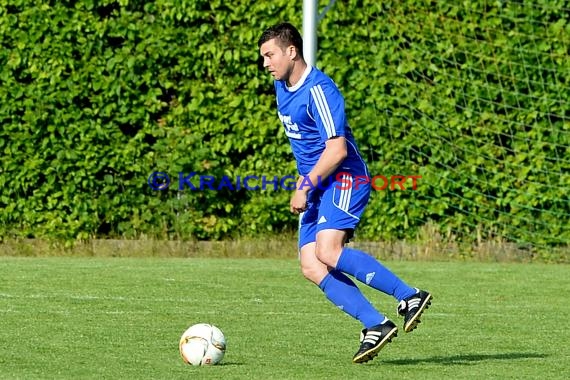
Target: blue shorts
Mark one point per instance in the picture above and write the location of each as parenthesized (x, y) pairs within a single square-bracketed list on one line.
[(337, 207)]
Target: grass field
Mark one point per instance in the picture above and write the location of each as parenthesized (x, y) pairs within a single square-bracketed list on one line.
[(121, 318)]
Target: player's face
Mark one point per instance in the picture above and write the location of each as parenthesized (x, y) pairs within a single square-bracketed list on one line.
[(278, 61)]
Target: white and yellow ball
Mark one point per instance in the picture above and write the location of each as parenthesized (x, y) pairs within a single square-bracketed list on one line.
[(202, 344)]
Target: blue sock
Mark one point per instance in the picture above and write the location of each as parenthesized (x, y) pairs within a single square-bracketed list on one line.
[(342, 292), (370, 271)]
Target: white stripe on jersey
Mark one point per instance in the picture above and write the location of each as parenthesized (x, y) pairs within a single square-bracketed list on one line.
[(345, 194), (323, 109)]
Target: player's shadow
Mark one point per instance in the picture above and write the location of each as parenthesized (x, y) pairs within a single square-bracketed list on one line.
[(229, 364), (466, 359)]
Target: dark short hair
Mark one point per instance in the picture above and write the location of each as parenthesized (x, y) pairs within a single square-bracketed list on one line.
[(285, 34)]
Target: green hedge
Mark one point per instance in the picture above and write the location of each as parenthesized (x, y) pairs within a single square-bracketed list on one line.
[(96, 95)]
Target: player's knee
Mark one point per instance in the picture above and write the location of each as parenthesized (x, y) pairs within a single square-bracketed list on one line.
[(328, 254), (313, 273)]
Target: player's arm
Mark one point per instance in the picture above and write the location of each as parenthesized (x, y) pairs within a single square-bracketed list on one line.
[(326, 106), (334, 154)]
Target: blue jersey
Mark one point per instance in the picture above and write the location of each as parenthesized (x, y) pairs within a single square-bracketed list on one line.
[(312, 111)]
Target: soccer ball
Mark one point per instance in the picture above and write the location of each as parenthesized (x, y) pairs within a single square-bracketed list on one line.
[(202, 344)]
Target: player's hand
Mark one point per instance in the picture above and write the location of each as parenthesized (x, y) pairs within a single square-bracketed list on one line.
[(298, 202)]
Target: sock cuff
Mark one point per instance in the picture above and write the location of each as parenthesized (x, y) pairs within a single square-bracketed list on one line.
[(323, 283), (342, 258)]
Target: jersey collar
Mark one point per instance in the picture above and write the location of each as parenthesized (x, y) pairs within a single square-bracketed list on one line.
[(301, 80)]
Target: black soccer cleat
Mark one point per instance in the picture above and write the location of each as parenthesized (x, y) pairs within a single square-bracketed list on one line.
[(373, 339), (413, 307)]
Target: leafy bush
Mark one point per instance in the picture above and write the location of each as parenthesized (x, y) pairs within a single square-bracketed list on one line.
[(96, 95)]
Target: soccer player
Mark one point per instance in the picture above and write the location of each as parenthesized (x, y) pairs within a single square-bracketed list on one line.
[(311, 108)]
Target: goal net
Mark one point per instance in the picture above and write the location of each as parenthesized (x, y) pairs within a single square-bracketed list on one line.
[(474, 96)]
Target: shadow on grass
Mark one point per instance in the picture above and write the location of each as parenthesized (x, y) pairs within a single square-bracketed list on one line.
[(467, 359), (229, 364)]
